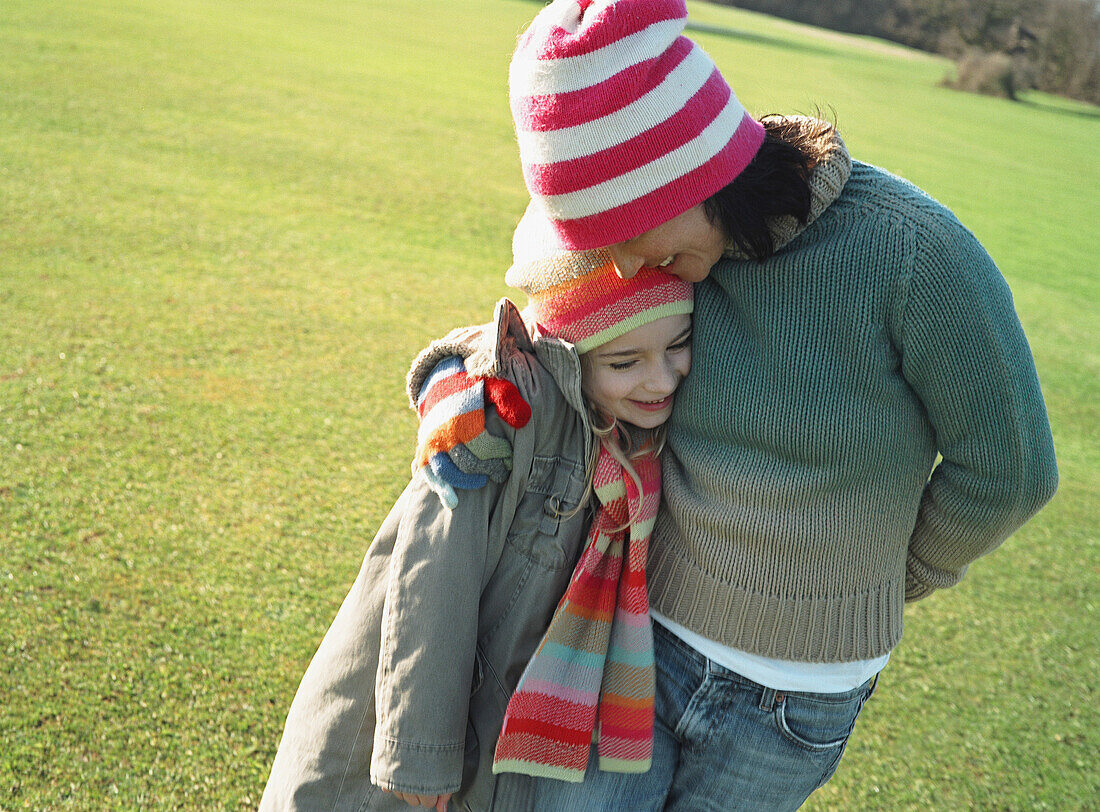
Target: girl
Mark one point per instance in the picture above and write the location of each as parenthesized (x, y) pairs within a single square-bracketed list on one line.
[(404, 700)]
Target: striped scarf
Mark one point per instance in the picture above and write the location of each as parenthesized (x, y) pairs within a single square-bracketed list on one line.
[(592, 677)]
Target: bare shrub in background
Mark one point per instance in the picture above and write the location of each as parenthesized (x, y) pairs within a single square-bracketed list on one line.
[(983, 72)]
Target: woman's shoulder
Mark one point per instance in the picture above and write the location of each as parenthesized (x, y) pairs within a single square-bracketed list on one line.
[(874, 192)]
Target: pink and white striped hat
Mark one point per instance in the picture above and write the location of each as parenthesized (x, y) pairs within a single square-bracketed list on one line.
[(623, 123)]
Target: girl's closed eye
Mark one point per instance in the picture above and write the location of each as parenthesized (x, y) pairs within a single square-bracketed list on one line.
[(683, 344)]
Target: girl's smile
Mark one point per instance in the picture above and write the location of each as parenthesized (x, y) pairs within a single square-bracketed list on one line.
[(654, 406)]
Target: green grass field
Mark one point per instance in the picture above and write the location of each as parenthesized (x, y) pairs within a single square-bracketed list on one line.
[(226, 228)]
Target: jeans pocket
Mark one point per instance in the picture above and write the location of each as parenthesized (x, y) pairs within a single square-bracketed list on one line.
[(818, 722)]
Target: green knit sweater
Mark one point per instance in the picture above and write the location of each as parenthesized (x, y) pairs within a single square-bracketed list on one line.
[(803, 501)]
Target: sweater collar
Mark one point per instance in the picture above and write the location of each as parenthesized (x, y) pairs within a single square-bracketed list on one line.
[(827, 179)]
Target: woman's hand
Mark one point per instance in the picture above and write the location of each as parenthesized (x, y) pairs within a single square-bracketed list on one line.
[(438, 801), (454, 449)]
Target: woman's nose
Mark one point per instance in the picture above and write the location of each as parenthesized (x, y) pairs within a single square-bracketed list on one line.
[(627, 264)]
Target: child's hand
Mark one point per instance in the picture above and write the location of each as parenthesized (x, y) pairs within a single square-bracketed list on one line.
[(438, 801)]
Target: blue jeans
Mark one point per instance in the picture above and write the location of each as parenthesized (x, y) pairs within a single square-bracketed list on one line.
[(721, 742)]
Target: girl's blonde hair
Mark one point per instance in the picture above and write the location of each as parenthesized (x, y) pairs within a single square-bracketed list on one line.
[(626, 444)]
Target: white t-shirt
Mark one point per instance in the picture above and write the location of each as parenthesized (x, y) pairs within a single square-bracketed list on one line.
[(782, 675)]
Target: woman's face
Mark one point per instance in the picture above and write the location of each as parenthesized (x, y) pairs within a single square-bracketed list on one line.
[(687, 245), (635, 376)]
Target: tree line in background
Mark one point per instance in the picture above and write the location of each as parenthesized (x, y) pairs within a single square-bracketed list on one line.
[(1000, 46)]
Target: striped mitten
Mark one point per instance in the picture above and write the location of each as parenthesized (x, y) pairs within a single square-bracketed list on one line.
[(453, 447)]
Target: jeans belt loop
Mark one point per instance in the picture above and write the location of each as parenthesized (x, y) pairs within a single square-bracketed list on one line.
[(767, 699)]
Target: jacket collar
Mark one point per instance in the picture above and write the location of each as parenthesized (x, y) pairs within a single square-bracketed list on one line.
[(511, 332), (485, 349)]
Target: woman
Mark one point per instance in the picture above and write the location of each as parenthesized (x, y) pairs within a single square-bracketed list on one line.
[(850, 330)]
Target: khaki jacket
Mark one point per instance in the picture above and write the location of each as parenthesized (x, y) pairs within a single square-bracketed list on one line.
[(410, 683)]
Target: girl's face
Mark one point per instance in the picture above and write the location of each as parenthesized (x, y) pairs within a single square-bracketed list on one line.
[(635, 376), (687, 245)]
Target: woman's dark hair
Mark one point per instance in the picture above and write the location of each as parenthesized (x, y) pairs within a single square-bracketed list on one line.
[(774, 184)]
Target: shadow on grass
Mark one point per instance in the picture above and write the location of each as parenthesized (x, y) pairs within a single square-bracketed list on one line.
[(760, 39), (1079, 112)]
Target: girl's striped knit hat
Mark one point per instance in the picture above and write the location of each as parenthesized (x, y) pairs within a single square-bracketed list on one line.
[(623, 123), (576, 295)]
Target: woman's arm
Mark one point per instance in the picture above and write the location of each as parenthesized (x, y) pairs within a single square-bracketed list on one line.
[(966, 356), (453, 384)]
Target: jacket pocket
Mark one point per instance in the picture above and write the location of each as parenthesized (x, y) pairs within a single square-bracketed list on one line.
[(546, 522), (482, 727), (479, 672)]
